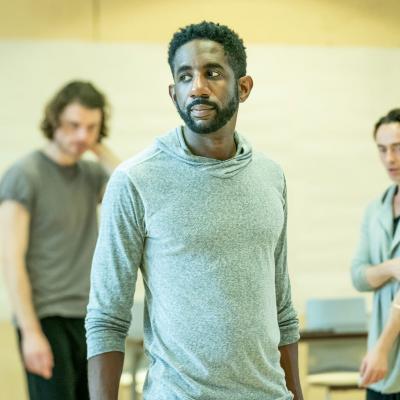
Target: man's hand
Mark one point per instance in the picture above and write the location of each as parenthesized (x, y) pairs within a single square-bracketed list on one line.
[(37, 354), (374, 367), (97, 148), (105, 156), (379, 274)]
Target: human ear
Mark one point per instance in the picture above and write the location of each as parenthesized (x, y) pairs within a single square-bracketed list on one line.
[(171, 90), (245, 85)]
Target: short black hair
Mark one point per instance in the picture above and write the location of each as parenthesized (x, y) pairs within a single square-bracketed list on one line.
[(231, 42), (392, 116), (81, 92)]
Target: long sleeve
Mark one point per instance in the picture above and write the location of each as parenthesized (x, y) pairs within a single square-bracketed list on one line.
[(116, 261), (361, 260), (287, 317)]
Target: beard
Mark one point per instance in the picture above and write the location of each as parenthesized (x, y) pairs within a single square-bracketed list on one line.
[(222, 115), (70, 149)]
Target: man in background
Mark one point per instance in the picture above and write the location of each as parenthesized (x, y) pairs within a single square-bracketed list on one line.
[(376, 268), (205, 219), (48, 222)]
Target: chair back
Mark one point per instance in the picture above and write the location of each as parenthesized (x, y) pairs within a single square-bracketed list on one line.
[(340, 315)]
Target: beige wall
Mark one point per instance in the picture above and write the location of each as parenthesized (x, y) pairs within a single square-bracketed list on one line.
[(308, 22), (312, 109)]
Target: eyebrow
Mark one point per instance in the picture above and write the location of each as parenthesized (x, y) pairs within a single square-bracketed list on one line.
[(184, 68), (76, 122), (389, 145), (214, 65)]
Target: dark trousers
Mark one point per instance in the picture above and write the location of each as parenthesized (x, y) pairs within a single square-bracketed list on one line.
[(372, 395), (68, 344)]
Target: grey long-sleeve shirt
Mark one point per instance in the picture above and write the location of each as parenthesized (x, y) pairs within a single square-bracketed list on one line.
[(210, 239)]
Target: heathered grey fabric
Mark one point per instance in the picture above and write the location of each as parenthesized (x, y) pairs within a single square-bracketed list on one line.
[(210, 239), (377, 244), (62, 202)]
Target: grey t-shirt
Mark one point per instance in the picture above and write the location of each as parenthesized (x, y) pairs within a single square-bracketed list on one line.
[(62, 202)]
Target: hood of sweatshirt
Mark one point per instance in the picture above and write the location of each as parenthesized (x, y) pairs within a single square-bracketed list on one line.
[(174, 144)]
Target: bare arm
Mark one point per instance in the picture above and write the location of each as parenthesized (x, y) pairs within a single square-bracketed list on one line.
[(289, 363), (106, 157), (104, 375), (375, 364), (14, 229), (378, 275)]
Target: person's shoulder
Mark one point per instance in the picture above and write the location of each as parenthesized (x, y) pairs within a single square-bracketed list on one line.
[(271, 167), (377, 202), (26, 165), (21, 180), (140, 163)]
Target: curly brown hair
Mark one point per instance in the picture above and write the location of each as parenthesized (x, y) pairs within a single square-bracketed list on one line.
[(80, 92)]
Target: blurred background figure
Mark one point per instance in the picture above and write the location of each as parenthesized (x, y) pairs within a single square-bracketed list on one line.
[(49, 227), (376, 267)]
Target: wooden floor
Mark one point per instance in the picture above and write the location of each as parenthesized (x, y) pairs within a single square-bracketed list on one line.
[(12, 383)]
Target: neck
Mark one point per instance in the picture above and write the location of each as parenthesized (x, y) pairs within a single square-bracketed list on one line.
[(53, 151), (219, 145)]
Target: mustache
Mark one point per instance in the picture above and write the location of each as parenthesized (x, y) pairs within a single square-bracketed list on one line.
[(201, 101)]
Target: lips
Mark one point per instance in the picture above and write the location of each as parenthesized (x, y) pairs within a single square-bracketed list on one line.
[(201, 107), (201, 111)]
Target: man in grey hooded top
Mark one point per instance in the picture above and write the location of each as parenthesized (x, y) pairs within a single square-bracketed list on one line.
[(204, 218)]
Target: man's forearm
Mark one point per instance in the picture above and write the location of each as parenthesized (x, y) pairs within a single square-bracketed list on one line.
[(14, 233), (392, 327), (289, 363), (377, 275), (19, 288), (104, 375)]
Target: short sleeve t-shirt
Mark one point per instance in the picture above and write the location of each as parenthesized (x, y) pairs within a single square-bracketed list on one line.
[(62, 202)]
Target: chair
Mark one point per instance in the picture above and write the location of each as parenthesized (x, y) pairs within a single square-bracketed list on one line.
[(337, 342)]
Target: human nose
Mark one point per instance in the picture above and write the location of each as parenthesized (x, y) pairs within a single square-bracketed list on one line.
[(199, 87), (389, 156), (82, 133)]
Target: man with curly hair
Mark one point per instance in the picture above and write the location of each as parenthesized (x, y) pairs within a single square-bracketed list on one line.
[(49, 229), (204, 218)]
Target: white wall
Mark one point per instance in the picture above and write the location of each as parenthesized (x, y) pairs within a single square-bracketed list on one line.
[(312, 109)]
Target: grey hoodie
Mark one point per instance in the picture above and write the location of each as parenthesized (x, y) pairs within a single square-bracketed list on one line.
[(210, 239)]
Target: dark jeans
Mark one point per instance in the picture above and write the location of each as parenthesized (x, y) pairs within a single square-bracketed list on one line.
[(69, 380), (372, 395)]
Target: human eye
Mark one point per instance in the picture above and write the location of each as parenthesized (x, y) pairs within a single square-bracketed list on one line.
[(70, 125), (184, 77), (381, 149), (92, 128), (213, 74)]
